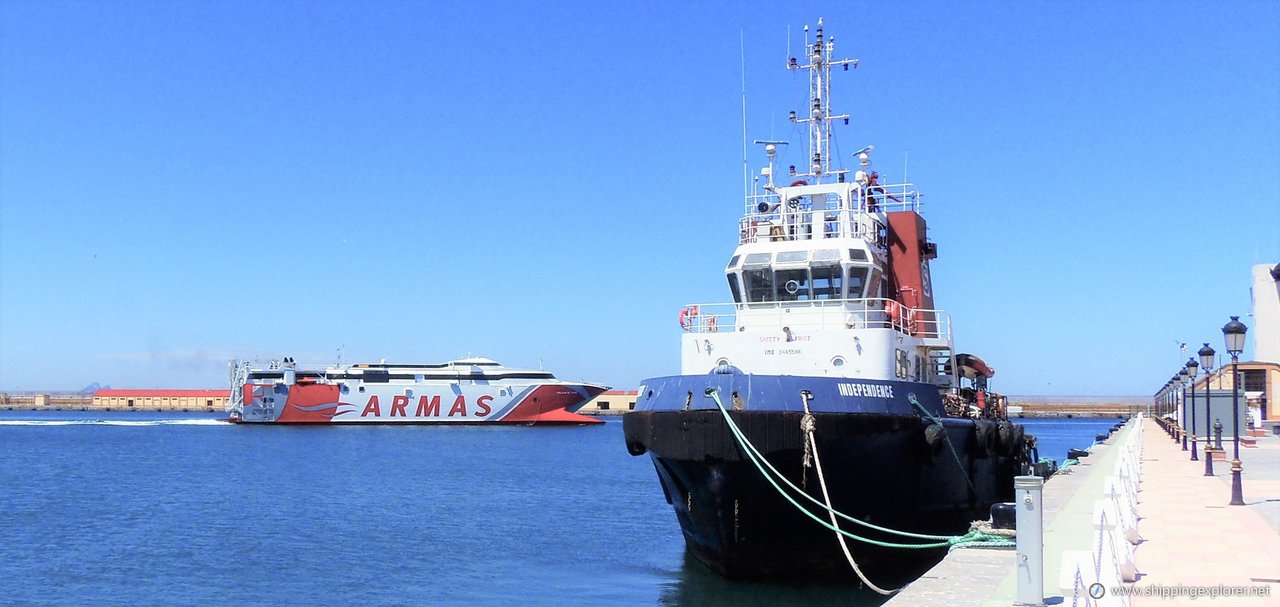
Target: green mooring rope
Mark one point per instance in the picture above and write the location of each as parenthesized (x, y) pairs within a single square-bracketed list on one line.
[(974, 536), (761, 459)]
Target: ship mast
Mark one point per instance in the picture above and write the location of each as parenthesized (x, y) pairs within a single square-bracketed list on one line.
[(819, 117)]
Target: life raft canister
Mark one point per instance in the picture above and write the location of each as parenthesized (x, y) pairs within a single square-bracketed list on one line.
[(687, 315)]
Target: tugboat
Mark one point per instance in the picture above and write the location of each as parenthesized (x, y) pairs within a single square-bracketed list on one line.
[(830, 386)]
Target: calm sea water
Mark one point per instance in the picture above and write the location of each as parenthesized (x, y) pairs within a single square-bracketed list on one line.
[(138, 509)]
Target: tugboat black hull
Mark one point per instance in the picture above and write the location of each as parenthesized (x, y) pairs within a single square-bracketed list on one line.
[(883, 468)]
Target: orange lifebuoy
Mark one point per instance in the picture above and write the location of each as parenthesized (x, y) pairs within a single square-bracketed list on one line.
[(900, 315), (686, 317), (893, 310), (711, 324), (799, 182)]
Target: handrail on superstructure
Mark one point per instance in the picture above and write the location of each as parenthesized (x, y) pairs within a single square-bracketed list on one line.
[(865, 313), (800, 213)]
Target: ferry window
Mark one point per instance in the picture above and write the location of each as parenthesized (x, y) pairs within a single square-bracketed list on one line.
[(826, 282), (794, 285), (733, 262), (858, 282), (857, 255), (733, 288), (759, 285)]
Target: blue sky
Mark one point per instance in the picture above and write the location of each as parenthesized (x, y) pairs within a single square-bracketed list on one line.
[(185, 182)]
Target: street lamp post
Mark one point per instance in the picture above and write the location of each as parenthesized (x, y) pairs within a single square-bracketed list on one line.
[(1182, 408), (1192, 367), (1206, 362), (1233, 333)]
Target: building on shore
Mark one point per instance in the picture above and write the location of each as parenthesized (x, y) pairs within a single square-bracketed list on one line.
[(160, 400), (1259, 376), (613, 402)]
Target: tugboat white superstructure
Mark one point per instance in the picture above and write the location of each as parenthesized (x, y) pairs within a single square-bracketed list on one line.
[(465, 391), (832, 326)]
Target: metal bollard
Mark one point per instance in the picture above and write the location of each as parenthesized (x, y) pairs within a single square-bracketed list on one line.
[(1028, 495)]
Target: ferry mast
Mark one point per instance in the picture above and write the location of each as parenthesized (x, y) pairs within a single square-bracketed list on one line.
[(819, 117)]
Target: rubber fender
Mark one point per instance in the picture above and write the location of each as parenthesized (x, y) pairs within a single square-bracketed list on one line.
[(1012, 436), (934, 437), (635, 447), (985, 438)]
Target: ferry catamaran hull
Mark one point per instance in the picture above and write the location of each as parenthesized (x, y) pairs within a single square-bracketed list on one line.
[(469, 391)]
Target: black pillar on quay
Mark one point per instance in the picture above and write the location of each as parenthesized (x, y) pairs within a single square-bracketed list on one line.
[(1206, 362), (1234, 332)]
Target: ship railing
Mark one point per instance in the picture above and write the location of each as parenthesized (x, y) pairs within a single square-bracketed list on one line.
[(824, 215), (820, 314)]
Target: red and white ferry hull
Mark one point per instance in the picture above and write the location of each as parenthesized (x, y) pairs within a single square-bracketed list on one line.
[(291, 397)]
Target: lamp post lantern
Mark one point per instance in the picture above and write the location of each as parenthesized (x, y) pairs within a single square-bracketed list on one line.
[(1206, 362), (1192, 366), (1233, 333)]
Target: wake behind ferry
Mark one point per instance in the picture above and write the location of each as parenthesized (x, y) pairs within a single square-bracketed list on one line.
[(824, 412), (464, 391)]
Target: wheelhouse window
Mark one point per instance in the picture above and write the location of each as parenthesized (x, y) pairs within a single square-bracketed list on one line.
[(759, 285), (793, 284), (858, 282), (757, 278), (734, 288), (827, 282)]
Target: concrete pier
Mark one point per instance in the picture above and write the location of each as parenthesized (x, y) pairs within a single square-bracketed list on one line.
[(1190, 536)]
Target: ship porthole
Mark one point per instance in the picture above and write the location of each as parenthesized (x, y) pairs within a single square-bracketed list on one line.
[(837, 361)]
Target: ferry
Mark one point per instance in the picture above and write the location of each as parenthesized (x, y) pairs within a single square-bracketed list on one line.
[(830, 384), (465, 391)]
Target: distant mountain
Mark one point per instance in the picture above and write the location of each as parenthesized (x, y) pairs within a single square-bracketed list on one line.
[(93, 387)]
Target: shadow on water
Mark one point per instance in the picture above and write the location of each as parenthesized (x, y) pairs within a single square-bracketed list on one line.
[(700, 585)]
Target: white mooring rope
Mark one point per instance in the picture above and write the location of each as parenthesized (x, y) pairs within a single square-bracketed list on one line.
[(808, 424)]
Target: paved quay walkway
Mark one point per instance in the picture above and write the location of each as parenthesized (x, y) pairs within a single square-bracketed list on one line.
[(1191, 537), (986, 578)]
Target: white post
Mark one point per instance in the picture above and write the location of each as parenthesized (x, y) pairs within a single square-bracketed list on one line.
[(1028, 492)]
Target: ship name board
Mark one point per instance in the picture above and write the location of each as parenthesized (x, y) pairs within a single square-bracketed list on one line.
[(873, 390), (427, 406)]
